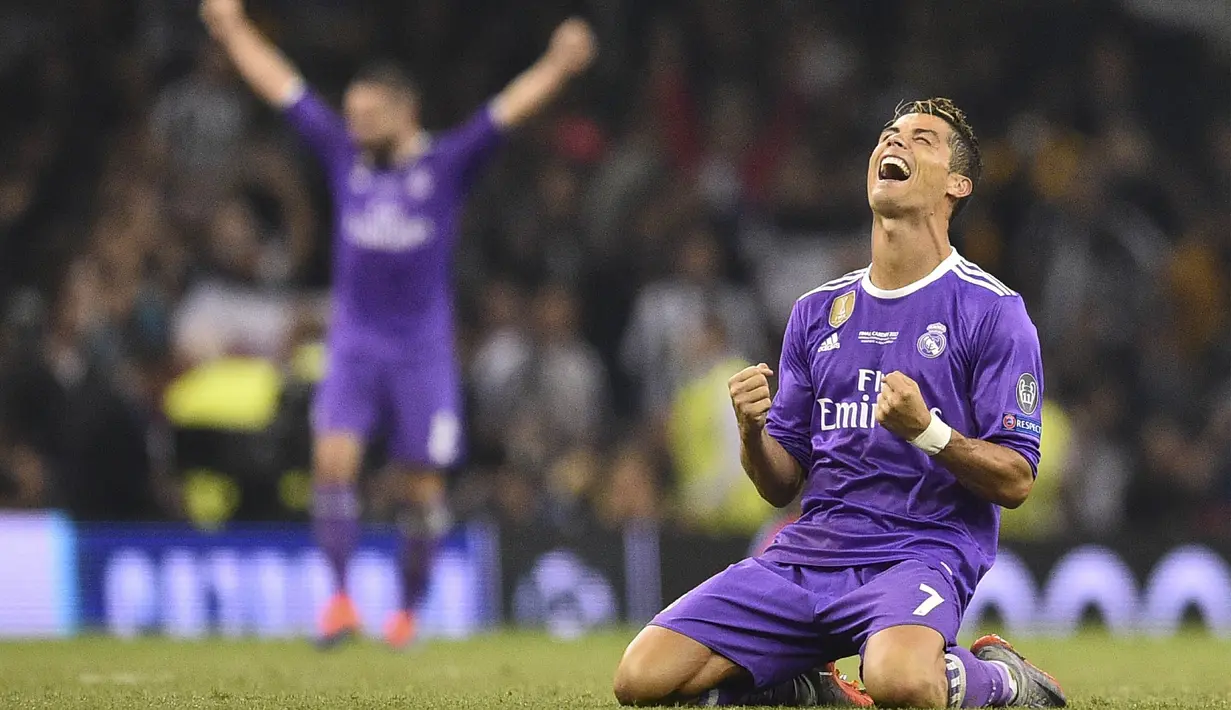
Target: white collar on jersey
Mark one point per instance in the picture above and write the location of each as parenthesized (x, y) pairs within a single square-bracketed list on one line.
[(910, 288)]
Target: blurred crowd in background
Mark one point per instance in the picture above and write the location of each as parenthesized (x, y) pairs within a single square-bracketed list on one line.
[(165, 246)]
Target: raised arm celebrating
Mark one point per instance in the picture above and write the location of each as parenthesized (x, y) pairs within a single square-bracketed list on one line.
[(570, 52), (270, 74)]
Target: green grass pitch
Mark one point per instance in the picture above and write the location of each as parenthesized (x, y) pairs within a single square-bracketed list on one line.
[(507, 670)]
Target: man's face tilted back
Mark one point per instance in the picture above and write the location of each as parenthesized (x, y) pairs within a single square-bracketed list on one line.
[(909, 169)]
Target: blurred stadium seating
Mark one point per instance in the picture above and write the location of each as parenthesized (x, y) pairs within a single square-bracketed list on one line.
[(165, 254)]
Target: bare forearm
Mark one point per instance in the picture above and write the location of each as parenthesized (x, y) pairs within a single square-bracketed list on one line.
[(530, 92), (775, 473), (990, 471), (570, 51), (270, 74)]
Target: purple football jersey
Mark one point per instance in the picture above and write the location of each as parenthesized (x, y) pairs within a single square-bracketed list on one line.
[(395, 231), (871, 497)]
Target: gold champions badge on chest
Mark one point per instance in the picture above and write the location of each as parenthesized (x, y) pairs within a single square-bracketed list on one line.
[(841, 309)]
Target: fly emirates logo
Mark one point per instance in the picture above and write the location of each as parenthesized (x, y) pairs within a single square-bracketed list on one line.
[(385, 227), (859, 413)]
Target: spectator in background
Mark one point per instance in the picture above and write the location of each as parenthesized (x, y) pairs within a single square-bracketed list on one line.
[(1097, 473), (722, 172), (496, 367), (668, 316), (154, 202), (78, 407), (544, 241), (711, 489), (198, 125), (631, 492), (1178, 491), (562, 387)]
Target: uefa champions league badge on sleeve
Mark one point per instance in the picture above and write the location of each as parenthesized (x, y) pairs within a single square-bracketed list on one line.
[(841, 309), (932, 343), (1027, 393)]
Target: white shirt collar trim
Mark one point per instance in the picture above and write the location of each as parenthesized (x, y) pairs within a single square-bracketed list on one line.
[(940, 270)]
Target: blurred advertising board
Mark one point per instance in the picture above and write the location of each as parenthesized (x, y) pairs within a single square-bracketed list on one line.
[(38, 586), (262, 580), (1132, 586), (568, 584), (58, 578)]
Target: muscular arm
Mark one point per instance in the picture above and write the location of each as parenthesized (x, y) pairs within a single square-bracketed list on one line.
[(270, 74), (990, 471), (775, 473), (570, 52)]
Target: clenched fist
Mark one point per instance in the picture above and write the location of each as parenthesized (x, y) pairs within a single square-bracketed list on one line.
[(900, 407), (750, 397), (573, 45)]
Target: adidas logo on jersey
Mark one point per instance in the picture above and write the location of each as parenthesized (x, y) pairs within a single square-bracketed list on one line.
[(829, 343)]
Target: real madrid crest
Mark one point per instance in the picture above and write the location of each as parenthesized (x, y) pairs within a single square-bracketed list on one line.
[(932, 343), (841, 309)]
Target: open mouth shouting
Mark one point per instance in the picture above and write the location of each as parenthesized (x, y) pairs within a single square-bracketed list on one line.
[(892, 168)]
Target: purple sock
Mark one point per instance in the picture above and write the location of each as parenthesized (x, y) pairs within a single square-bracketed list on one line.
[(986, 684), (415, 562), (421, 531), (335, 524)]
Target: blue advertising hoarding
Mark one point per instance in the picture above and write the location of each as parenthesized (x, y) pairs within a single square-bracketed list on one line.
[(58, 578), (263, 580)]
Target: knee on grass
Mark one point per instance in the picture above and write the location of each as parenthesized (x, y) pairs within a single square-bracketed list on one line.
[(643, 680), (663, 667), (904, 684), (637, 684)]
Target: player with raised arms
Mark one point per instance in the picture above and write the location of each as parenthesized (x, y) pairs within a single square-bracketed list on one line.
[(907, 413), (398, 193)]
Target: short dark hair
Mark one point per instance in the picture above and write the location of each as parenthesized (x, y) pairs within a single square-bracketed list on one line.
[(966, 157), (389, 74)]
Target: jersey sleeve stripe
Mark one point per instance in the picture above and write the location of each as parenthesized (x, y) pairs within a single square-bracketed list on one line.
[(984, 276), (978, 282), (837, 283), (974, 270)]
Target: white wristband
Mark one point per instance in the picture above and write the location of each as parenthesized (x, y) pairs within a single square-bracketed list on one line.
[(934, 438)]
